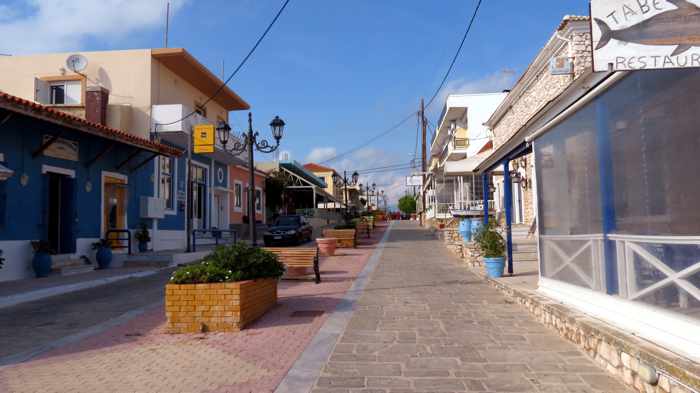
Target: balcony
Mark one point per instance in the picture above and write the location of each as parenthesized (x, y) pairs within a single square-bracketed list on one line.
[(168, 124)]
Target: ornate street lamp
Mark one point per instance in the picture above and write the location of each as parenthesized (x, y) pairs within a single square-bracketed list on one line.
[(353, 181), (249, 142)]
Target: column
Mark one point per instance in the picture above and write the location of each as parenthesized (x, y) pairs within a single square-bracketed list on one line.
[(508, 202), (607, 196)]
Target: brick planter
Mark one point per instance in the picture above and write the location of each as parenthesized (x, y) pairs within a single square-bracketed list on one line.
[(219, 307)]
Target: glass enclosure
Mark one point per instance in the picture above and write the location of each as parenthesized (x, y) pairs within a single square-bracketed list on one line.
[(616, 192)]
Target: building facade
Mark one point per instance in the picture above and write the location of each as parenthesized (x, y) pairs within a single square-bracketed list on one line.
[(70, 183), (158, 94)]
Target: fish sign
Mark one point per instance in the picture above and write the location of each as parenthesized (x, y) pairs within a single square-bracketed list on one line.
[(645, 34)]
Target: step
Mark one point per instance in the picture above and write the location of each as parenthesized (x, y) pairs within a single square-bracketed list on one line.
[(66, 267), (525, 256)]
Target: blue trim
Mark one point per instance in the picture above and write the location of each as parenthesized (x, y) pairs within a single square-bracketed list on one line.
[(508, 202), (485, 186), (607, 195)]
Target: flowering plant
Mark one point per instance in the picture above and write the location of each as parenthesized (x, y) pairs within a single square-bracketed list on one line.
[(238, 262)]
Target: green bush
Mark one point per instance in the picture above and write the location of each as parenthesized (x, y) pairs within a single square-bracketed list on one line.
[(345, 226), (490, 241), (238, 262)]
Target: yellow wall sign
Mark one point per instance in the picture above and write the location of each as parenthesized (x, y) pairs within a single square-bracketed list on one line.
[(204, 138)]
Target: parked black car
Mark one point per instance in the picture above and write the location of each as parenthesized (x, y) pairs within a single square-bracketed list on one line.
[(288, 230)]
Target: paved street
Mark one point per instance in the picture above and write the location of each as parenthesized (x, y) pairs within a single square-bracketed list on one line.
[(32, 325), (426, 324)]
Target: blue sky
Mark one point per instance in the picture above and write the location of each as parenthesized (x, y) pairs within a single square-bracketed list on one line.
[(338, 72)]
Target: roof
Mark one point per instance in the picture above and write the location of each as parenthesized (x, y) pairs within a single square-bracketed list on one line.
[(572, 18), (38, 111), (190, 69), (303, 173), (317, 168)]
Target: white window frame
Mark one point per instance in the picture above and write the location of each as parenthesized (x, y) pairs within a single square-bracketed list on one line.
[(65, 84), (238, 199), (173, 177), (261, 200)]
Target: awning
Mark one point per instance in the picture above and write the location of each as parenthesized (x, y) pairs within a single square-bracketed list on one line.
[(465, 166), (298, 170)]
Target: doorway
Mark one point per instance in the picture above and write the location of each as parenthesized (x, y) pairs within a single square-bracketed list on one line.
[(60, 212), (114, 204), (198, 196), (220, 211)]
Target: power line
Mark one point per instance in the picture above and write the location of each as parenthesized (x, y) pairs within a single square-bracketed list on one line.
[(395, 169), (386, 166), (369, 141), (240, 65), (454, 59)]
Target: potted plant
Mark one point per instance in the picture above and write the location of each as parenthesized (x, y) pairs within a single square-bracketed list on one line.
[(143, 237), (230, 288), (41, 263), (492, 248), (103, 254)]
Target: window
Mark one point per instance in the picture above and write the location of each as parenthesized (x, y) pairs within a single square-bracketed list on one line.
[(258, 200), (166, 168), (238, 196), (65, 93)]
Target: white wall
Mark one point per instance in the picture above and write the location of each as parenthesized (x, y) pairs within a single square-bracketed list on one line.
[(18, 256)]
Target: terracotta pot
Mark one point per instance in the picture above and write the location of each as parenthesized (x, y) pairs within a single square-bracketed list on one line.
[(327, 246)]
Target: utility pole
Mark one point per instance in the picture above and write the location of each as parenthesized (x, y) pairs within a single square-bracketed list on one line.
[(423, 161), (167, 22)]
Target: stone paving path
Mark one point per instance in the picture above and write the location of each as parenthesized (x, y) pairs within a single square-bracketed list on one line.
[(426, 324), (138, 356)]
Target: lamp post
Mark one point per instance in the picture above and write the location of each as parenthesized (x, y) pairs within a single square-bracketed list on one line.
[(249, 142), (346, 194)]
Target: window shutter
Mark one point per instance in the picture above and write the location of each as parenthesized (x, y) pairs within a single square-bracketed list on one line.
[(74, 94), (41, 91)]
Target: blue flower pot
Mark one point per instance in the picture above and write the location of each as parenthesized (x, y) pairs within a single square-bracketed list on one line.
[(104, 257), (143, 246), (495, 266), (41, 264)]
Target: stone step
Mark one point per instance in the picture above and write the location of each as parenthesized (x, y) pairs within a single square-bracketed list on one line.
[(525, 256), (68, 267)]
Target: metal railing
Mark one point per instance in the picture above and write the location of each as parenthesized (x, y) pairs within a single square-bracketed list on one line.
[(116, 242), (227, 236)]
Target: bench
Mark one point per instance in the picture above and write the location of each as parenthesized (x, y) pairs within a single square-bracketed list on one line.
[(363, 228), (301, 257), (346, 237)]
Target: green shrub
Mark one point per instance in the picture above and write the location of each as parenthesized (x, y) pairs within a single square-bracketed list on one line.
[(490, 241), (238, 262), (345, 226)]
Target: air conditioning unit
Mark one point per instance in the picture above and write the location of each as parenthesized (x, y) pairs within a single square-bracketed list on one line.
[(152, 207)]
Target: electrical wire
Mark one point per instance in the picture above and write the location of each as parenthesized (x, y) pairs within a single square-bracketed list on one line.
[(238, 68), (369, 141), (454, 59), (386, 166)]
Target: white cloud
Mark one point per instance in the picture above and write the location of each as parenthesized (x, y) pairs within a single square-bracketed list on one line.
[(320, 154), (58, 25)]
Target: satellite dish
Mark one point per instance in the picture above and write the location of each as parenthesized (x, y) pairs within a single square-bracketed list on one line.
[(76, 63)]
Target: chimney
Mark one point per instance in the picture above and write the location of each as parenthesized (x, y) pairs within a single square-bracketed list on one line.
[(96, 100)]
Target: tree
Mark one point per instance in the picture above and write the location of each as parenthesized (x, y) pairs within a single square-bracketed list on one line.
[(407, 204)]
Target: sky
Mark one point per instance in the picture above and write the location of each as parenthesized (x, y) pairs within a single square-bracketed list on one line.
[(338, 72)]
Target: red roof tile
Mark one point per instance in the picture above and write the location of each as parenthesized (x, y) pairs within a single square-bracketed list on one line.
[(317, 168), (31, 108)]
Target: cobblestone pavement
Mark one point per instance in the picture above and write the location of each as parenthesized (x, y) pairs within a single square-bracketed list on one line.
[(426, 324), (138, 356)]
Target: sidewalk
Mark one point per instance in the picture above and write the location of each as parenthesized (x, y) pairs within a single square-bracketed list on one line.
[(426, 324), (21, 291), (138, 356)]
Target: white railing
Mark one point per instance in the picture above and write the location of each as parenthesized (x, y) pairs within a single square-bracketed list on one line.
[(631, 248), (582, 260), (469, 206)]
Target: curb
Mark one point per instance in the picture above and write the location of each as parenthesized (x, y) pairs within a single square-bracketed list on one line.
[(31, 296)]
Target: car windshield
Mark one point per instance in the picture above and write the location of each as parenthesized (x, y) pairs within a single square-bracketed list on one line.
[(287, 221)]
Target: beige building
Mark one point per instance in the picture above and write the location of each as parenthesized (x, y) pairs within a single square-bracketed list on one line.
[(156, 94)]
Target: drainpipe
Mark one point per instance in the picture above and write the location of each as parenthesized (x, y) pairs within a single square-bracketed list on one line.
[(508, 202)]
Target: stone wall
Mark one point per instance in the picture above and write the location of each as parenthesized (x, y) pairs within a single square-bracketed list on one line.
[(641, 365)]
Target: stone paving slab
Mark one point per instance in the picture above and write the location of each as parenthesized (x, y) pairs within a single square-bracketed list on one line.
[(138, 356), (426, 324)]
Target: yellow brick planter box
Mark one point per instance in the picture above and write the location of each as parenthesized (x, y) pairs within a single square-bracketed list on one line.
[(217, 307)]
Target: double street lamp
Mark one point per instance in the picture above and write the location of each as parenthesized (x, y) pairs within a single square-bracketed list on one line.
[(353, 181), (249, 142)]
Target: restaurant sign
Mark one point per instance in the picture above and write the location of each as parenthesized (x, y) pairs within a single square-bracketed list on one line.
[(645, 34)]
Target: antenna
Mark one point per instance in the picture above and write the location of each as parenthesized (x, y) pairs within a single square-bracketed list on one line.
[(167, 22)]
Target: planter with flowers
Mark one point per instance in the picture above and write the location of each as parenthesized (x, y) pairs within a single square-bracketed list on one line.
[(229, 289), (493, 248)]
